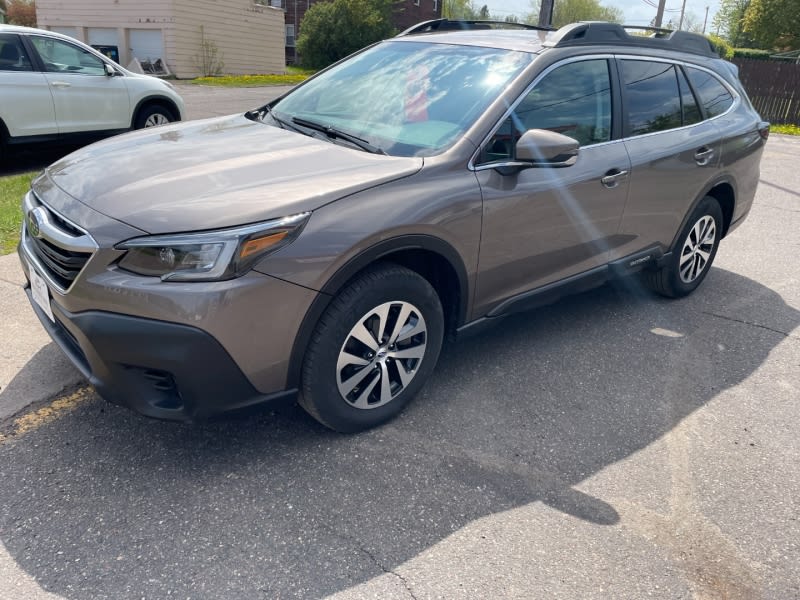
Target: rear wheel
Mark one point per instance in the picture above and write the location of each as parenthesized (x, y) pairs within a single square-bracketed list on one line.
[(691, 259), (373, 349)]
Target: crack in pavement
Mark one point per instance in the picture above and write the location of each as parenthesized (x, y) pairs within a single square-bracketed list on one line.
[(735, 320), (16, 284), (374, 559), (791, 210)]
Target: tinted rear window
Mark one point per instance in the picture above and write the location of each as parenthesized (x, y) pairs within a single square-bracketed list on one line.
[(653, 98), (714, 97)]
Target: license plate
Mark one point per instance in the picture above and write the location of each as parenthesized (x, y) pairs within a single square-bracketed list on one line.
[(41, 295)]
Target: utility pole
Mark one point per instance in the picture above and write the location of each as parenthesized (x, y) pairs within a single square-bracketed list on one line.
[(546, 13), (705, 21), (660, 12), (683, 8)]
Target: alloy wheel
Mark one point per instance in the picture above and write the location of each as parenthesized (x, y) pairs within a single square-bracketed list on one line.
[(697, 249), (381, 355), (155, 120)]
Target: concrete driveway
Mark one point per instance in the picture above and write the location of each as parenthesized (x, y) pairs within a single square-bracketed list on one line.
[(203, 101), (614, 445)]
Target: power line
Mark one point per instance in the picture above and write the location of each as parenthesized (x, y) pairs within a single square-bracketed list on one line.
[(652, 4)]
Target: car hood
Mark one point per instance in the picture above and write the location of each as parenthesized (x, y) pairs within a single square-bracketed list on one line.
[(217, 173)]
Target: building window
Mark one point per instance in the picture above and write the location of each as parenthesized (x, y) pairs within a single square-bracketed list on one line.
[(435, 5), (416, 2), (290, 36)]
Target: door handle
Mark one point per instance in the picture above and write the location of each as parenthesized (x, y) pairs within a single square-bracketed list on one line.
[(60, 84), (613, 177), (703, 156)]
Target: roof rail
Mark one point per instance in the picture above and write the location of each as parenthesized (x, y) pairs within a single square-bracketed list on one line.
[(469, 25), (614, 34)]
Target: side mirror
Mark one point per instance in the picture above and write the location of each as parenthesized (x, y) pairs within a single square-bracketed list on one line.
[(542, 148), (110, 71)]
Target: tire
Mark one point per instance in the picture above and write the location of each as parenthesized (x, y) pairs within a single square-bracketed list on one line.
[(153, 115), (351, 381), (693, 255)]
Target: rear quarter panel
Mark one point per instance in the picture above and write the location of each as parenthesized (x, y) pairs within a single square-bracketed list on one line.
[(742, 147)]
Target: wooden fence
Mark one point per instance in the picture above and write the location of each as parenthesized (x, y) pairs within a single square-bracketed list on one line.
[(773, 87)]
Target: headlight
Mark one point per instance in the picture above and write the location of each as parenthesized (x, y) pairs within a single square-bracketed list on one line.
[(209, 255)]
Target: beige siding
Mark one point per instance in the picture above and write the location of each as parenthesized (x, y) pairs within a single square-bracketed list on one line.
[(139, 14), (249, 37)]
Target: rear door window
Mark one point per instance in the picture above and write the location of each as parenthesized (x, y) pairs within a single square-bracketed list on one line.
[(652, 94), (12, 54)]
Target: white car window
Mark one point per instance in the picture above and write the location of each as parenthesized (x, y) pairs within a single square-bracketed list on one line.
[(12, 54), (62, 57)]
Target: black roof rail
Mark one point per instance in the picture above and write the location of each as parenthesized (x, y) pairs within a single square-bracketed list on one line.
[(614, 34), (466, 25)]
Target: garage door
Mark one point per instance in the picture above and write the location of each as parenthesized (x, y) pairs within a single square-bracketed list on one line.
[(101, 36), (147, 44)]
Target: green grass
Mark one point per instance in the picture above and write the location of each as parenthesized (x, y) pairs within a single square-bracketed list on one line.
[(785, 129), (293, 76), (12, 189)]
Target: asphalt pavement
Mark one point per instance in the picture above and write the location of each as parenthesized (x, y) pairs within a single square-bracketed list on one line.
[(614, 445)]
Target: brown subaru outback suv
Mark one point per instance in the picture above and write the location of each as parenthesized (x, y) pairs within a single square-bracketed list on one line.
[(324, 245)]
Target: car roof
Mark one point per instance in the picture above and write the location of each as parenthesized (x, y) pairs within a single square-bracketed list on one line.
[(503, 39), (586, 34), (5, 28)]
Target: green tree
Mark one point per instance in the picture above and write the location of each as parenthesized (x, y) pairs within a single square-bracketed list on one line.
[(728, 21), (572, 11), (21, 12), (773, 24), (332, 30), (459, 9)]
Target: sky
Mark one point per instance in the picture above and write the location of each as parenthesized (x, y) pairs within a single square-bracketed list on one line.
[(637, 12)]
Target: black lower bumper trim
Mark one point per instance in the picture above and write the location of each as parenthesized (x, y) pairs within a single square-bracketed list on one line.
[(160, 369)]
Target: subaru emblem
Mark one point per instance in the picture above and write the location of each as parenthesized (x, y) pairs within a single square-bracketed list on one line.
[(34, 219)]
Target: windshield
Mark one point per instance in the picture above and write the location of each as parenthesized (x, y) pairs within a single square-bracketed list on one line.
[(405, 98)]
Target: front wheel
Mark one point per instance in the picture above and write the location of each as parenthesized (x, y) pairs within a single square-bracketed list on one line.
[(373, 349), (694, 253), (153, 116)]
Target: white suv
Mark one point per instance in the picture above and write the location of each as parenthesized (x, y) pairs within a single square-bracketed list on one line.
[(53, 87)]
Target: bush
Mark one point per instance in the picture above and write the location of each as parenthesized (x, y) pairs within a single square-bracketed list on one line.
[(332, 30), (753, 53), (723, 48)]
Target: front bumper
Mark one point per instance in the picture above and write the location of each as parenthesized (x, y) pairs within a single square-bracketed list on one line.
[(160, 369)]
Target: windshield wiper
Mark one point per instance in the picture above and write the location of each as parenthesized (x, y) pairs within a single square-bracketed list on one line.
[(259, 114), (334, 133)]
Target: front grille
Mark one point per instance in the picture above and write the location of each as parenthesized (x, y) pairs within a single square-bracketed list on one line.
[(62, 265), (60, 248)]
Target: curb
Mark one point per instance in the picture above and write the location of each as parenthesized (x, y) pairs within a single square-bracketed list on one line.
[(32, 368)]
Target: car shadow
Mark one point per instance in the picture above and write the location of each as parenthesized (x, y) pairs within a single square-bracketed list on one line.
[(104, 503), (33, 157)]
